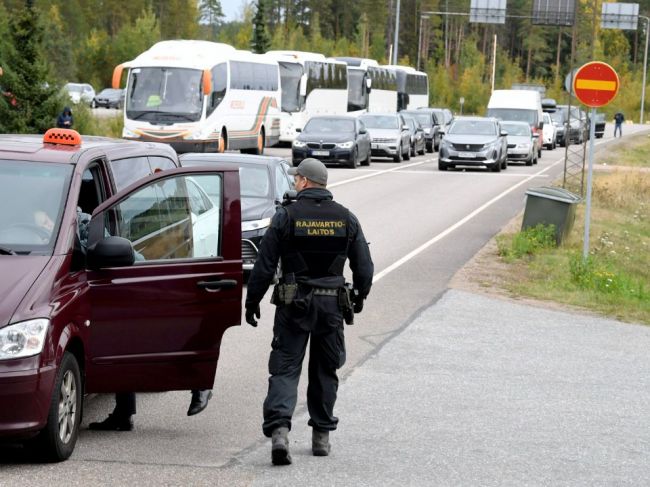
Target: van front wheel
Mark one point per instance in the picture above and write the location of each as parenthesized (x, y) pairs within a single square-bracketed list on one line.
[(57, 440)]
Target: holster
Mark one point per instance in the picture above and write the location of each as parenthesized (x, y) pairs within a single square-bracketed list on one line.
[(346, 305), (284, 294)]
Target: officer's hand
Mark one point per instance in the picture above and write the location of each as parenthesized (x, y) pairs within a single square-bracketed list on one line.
[(358, 305), (251, 313)]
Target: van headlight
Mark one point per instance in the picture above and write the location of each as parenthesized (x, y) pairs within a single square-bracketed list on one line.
[(255, 224), (23, 339)]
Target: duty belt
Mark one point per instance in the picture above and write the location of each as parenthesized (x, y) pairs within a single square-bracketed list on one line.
[(320, 291)]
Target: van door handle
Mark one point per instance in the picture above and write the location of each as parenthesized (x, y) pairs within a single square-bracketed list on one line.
[(219, 284)]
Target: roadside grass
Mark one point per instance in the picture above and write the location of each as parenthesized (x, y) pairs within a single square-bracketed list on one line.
[(87, 124), (635, 153), (615, 279)]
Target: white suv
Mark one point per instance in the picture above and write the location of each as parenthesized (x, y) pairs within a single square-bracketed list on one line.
[(549, 132), (80, 92)]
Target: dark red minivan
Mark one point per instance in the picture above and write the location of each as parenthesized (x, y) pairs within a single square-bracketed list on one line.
[(136, 298)]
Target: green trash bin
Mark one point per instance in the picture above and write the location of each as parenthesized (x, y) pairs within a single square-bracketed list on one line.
[(551, 206)]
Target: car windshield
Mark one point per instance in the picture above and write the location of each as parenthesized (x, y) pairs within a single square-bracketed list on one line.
[(600, 117), (423, 118), (516, 129), (74, 88), (380, 122), (37, 192), (254, 181), (164, 95), (473, 127), (329, 125), (110, 92), (558, 116)]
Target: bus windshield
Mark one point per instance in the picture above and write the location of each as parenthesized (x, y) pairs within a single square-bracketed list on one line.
[(514, 115), (164, 95), (290, 74), (357, 99)]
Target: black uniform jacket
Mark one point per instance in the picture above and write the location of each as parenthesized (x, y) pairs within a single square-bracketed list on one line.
[(279, 231)]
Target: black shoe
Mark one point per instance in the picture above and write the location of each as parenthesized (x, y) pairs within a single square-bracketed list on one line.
[(199, 402), (113, 423)]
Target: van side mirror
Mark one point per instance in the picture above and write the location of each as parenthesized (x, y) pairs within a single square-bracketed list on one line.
[(111, 252)]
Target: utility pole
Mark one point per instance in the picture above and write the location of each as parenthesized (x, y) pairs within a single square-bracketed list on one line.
[(396, 43)]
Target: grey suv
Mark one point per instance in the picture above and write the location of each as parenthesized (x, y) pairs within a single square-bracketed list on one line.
[(389, 135)]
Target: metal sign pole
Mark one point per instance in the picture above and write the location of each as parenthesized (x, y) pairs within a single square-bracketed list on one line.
[(592, 136)]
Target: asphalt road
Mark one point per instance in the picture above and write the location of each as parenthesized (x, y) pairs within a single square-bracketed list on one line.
[(423, 226)]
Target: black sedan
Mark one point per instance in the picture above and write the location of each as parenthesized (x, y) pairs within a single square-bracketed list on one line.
[(418, 143), (333, 139), (108, 98), (263, 182), (429, 122)]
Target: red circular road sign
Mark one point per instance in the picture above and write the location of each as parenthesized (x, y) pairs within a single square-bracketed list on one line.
[(596, 84)]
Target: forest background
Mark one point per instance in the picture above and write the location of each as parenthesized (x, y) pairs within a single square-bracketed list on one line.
[(57, 41)]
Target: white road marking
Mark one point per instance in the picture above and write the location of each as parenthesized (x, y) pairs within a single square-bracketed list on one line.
[(457, 225), (379, 173), (467, 218)]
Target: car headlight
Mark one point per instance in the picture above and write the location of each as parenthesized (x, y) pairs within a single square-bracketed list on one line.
[(298, 143), (345, 145), (23, 339), (489, 145), (255, 224)]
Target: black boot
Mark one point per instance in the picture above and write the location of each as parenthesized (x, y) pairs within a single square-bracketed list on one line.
[(280, 447), (199, 402), (113, 423)]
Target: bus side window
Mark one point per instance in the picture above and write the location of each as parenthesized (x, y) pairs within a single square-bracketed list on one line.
[(219, 83)]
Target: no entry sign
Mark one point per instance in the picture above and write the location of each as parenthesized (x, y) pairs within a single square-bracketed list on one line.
[(595, 84)]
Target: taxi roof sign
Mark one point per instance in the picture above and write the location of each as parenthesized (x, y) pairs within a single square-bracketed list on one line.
[(596, 84), (62, 136)]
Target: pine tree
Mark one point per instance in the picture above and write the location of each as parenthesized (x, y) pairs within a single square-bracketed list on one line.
[(211, 14), (261, 40), (27, 77)]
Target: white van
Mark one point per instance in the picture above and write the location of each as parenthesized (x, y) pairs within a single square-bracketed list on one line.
[(519, 106)]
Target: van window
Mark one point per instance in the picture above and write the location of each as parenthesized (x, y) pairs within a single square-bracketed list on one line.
[(514, 115), (162, 224)]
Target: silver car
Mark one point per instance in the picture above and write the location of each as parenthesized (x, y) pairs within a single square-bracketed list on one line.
[(521, 142), (474, 141), (389, 135)]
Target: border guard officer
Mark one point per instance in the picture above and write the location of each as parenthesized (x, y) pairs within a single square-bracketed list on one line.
[(312, 238)]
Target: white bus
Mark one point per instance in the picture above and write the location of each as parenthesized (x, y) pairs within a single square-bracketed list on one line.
[(371, 88), (201, 96), (311, 85), (412, 87)]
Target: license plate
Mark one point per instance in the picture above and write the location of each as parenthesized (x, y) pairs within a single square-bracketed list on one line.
[(466, 155), (320, 153), (374, 146)]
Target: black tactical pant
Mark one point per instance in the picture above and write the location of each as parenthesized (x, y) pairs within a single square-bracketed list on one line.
[(320, 324)]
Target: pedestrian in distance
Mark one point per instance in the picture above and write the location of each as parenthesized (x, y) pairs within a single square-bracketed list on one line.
[(65, 120), (312, 238), (618, 124)]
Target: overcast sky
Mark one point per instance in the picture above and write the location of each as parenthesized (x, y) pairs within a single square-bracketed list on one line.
[(232, 8)]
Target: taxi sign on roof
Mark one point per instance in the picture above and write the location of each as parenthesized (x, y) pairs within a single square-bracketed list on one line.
[(596, 84)]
